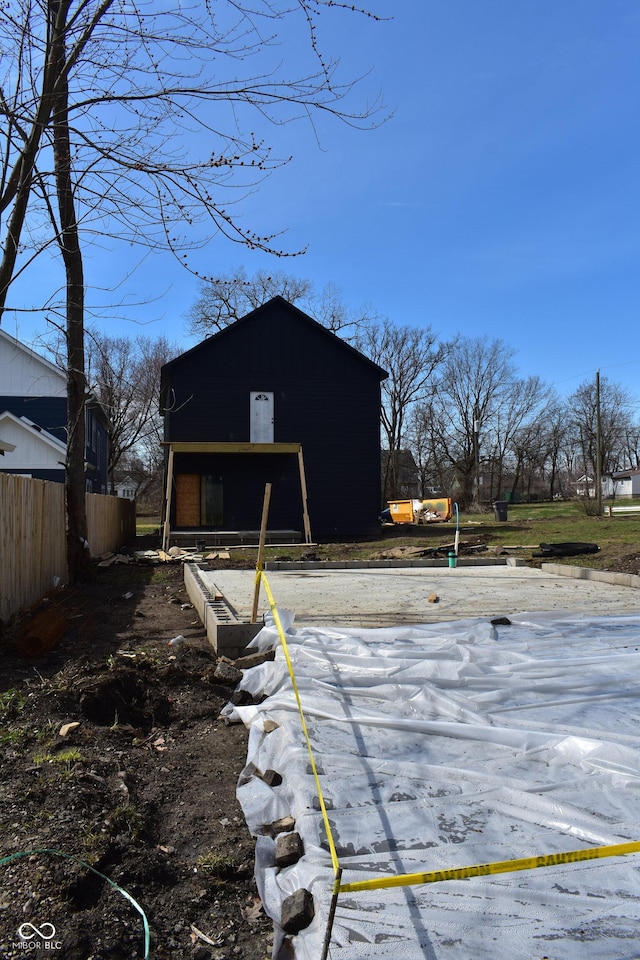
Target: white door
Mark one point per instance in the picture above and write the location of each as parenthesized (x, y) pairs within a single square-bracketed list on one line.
[(261, 417)]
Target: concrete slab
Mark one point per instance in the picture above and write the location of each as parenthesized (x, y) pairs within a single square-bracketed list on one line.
[(383, 597)]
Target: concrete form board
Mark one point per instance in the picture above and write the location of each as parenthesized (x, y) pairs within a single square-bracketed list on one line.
[(227, 634)]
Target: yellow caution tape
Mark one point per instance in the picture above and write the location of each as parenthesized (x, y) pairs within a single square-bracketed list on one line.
[(327, 825), (488, 869)]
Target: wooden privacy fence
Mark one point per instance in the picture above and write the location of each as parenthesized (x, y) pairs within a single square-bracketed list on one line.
[(32, 537), (111, 522)]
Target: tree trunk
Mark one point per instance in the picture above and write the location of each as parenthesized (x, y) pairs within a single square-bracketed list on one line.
[(78, 556)]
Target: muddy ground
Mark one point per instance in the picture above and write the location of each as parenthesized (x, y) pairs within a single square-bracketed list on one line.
[(140, 788)]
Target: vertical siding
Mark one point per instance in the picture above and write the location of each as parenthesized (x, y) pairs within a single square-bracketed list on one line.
[(326, 397)]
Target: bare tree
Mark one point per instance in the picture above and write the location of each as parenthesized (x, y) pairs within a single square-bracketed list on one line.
[(411, 356), (534, 444), (519, 412), (632, 445), (616, 424), (477, 407), (67, 235), (125, 374), (232, 296), (555, 427), (475, 379), (141, 120)]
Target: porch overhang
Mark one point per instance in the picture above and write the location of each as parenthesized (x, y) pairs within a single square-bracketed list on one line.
[(230, 447)]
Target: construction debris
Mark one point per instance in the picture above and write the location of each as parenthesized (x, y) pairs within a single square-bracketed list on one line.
[(289, 849), (42, 632), (566, 549), (67, 728), (297, 911)]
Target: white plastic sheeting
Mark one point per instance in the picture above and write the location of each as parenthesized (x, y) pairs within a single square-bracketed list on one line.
[(446, 745)]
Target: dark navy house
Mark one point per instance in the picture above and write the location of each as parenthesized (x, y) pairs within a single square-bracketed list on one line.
[(273, 398)]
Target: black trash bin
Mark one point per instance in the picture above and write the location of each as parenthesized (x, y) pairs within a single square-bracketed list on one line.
[(500, 509)]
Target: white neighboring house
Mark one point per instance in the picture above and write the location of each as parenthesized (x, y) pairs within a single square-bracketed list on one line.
[(32, 448), (585, 486), (26, 374), (622, 484), (126, 488)]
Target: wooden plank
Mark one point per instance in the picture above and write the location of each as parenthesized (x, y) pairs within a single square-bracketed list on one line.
[(184, 446), (166, 527), (305, 509), (263, 536)]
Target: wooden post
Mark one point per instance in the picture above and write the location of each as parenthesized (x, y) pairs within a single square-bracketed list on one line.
[(167, 506), (332, 915), (263, 535), (305, 510)]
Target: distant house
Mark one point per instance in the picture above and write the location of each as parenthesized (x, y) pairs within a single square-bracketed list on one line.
[(400, 475), (622, 484), (33, 419), (126, 488), (585, 486), (273, 398)]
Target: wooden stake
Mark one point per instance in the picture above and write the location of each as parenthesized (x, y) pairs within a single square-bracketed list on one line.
[(332, 915), (263, 535), (166, 529), (303, 487)]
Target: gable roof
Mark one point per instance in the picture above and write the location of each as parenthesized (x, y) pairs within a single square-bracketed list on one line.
[(15, 426), (238, 325), (33, 369), (625, 474)]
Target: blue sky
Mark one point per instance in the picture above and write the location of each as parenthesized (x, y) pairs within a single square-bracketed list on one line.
[(501, 199)]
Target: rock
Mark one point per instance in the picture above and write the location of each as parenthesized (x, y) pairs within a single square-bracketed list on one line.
[(289, 849), (285, 825), (227, 673), (270, 725), (433, 598), (272, 778), (240, 698), (297, 911), (286, 951)]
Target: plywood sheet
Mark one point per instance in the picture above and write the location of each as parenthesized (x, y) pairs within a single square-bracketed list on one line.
[(187, 500)]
